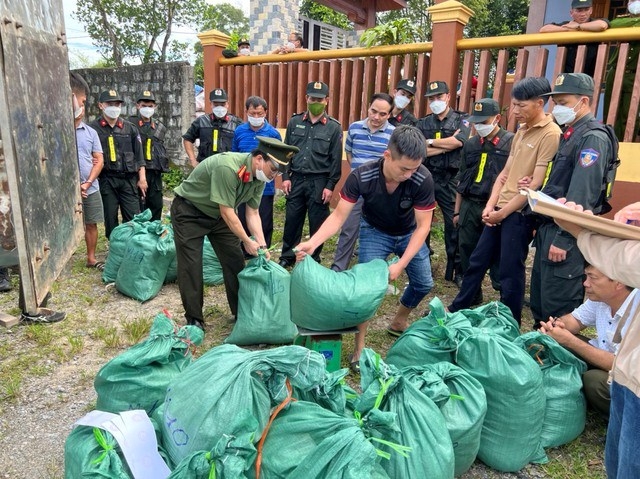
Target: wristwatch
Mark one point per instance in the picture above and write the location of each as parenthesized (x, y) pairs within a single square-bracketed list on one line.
[(430, 142)]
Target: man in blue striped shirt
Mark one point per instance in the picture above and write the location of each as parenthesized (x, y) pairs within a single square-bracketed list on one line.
[(366, 141), (244, 141)]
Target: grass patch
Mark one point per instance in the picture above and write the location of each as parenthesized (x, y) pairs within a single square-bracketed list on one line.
[(11, 387), (42, 334), (136, 329), (108, 335)]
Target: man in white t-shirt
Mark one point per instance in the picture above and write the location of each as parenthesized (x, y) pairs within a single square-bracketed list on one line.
[(607, 302)]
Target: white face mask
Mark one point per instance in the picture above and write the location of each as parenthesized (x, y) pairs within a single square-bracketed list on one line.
[(401, 101), (438, 106), (564, 114), (291, 45), (634, 8), (244, 51), (220, 111), (256, 121), (260, 175), (77, 113), (147, 111), (112, 112), (484, 130)]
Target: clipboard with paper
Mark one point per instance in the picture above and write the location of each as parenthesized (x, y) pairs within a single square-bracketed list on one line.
[(545, 205)]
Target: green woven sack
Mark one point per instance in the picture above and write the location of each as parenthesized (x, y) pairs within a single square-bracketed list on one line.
[(429, 340), (228, 381), (229, 458), (119, 242), (211, 269), (566, 406), (421, 425), (462, 402), (146, 262), (93, 452), (306, 441), (264, 315), (138, 378), (324, 300), (515, 400), (495, 317), (329, 394)]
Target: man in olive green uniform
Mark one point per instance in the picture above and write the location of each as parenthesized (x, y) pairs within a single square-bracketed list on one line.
[(152, 133), (313, 173), (215, 130), (123, 177), (446, 131), (576, 173), (205, 205), (483, 158), (627, 21)]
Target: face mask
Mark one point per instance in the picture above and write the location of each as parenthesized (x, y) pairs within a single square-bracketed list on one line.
[(438, 106), (147, 111), (77, 113), (260, 175), (401, 101), (484, 130), (220, 111), (112, 112), (244, 51), (564, 114), (256, 121), (634, 8), (291, 45), (315, 109)]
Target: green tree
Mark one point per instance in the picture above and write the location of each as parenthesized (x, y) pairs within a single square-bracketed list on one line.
[(320, 13), (225, 18), (139, 30)]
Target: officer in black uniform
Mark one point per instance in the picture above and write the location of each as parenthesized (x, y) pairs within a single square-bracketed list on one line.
[(483, 158), (215, 130), (578, 173), (446, 131), (123, 177), (402, 96), (313, 172), (152, 133)]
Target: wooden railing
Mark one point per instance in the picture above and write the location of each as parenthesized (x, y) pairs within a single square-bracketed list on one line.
[(354, 74)]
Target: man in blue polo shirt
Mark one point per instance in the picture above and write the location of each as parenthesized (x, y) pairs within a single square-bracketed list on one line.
[(366, 141), (245, 141)]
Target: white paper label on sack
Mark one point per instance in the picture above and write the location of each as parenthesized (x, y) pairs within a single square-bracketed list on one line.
[(137, 440)]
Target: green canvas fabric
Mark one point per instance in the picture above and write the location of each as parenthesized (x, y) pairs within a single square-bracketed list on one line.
[(119, 242), (495, 317), (211, 268), (462, 402), (93, 452), (264, 314), (324, 300), (566, 407), (138, 378), (329, 394)]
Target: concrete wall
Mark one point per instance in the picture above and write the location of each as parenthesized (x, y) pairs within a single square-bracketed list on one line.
[(171, 83)]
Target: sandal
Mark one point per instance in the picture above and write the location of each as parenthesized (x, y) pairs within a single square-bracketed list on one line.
[(354, 365), (99, 265), (394, 332)]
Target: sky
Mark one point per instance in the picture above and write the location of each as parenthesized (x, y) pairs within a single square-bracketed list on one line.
[(82, 50)]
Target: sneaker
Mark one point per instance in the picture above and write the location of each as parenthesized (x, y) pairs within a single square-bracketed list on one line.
[(44, 316)]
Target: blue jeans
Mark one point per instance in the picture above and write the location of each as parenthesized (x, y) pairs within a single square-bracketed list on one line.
[(621, 457), (374, 244)]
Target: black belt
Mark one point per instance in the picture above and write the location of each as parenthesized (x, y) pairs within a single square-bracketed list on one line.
[(309, 176), (118, 174)]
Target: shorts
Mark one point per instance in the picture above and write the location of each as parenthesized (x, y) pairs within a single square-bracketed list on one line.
[(92, 210)]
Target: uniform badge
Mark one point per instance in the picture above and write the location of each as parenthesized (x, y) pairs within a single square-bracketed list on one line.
[(433, 85), (465, 123), (139, 139), (112, 93), (146, 93), (218, 93), (588, 157), (560, 80), (478, 107), (317, 86), (410, 83)]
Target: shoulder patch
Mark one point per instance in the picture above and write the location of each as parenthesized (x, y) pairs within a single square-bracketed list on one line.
[(465, 122), (588, 157)]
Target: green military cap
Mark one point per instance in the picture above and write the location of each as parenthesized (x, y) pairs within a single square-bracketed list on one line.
[(484, 109), (407, 85), (436, 88), (572, 84), (581, 3), (146, 95), (317, 89), (278, 153), (109, 95)]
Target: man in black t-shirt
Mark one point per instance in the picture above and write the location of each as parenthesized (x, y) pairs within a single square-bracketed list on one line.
[(398, 194)]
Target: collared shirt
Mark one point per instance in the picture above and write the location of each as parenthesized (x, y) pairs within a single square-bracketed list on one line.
[(433, 128), (405, 117), (223, 179), (88, 143), (244, 141), (531, 147), (598, 314), (365, 145)]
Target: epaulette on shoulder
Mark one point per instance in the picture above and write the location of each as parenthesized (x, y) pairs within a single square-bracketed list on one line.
[(332, 118), (298, 114)]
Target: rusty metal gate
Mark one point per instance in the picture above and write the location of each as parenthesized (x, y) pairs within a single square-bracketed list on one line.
[(40, 213)]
